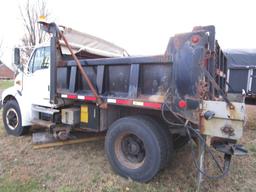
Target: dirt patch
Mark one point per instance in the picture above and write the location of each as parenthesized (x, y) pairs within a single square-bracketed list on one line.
[(84, 167)]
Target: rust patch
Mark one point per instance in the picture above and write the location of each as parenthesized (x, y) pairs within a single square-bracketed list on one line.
[(157, 98), (228, 131), (201, 122), (202, 90), (233, 112)]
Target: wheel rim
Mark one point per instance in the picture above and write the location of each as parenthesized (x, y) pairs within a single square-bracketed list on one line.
[(130, 151), (12, 118)]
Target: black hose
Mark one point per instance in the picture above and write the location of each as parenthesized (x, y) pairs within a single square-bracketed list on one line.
[(190, 129), (227, 158), (166, 120)]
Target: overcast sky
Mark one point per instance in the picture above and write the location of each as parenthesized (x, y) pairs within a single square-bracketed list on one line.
[(142, 27)]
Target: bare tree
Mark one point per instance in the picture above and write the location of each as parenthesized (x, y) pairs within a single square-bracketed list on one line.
[(30, 14)]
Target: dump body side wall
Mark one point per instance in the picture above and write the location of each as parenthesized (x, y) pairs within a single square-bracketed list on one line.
[(128, 80)]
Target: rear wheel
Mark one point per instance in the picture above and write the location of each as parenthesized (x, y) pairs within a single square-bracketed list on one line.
[(12, 118), (136, 148)]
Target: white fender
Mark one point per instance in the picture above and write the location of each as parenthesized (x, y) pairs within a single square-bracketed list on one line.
[(24, 104)]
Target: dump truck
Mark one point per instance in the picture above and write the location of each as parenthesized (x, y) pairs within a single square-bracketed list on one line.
[(146, 105)]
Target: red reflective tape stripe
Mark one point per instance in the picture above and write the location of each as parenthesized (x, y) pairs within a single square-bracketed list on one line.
[(72, 96), (90, 98), (153, 105), (123, 102)]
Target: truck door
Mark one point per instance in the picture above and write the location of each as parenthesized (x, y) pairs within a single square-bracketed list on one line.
[(36, 83)]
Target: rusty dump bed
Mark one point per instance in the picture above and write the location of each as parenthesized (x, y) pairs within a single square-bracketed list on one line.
[(188, 82), (192, 69)]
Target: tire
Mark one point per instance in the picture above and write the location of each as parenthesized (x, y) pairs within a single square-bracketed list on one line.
[(12, 119), (166, 136), (136, 148)]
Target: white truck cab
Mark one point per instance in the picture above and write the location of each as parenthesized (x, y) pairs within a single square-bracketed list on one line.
[(31, 88)]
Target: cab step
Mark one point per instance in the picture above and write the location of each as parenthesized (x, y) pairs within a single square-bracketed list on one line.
[(42, 123)]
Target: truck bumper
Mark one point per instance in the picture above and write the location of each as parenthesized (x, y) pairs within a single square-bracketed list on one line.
[(219, 120)]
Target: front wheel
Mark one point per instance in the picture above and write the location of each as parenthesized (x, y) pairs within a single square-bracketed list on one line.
[(12, 118), (136, 148)]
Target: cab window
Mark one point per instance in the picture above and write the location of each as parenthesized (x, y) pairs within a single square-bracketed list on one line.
[(40, 59)]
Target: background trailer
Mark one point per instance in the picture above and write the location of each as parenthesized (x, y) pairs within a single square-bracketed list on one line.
[(242, 73)]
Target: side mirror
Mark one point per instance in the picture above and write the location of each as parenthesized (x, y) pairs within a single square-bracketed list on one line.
[(17, 56)]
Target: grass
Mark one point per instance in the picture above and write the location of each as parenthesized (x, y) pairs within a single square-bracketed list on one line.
[(65, 189), (4, 84), (14, 186), (252, 148), (84, 168)]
